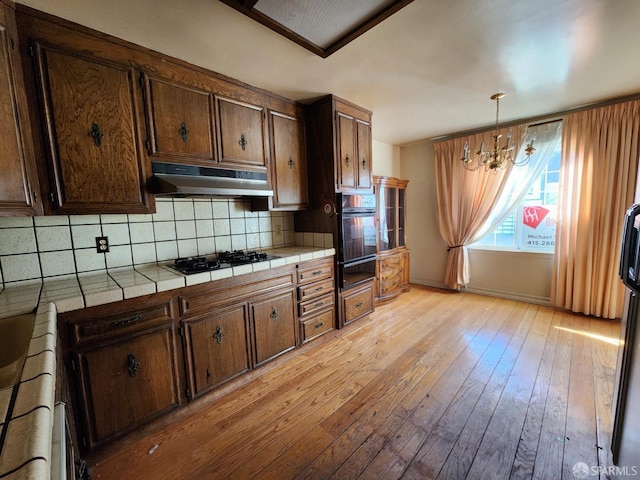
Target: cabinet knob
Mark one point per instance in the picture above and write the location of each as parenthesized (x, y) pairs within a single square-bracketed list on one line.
[(243, 142), (96, 134), (219, 334), (184, 131), (133, 364), (347, 160), (364, 163), (290, 162), (274, 314)]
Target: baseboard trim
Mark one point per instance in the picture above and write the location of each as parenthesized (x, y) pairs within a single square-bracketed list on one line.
[(546, 301)]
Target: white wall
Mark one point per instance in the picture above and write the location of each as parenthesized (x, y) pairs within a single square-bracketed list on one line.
[(386, 159), (518, 275)]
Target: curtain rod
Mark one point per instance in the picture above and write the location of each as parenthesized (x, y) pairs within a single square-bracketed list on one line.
[(539, 119)]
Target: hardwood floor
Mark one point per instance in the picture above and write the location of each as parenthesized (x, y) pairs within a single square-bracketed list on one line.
[(435, 385)]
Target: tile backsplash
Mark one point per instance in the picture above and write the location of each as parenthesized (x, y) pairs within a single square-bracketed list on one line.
[(41, 247)]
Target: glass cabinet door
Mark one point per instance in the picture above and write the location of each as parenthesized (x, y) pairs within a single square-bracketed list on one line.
[(401, 217), (391, 196)]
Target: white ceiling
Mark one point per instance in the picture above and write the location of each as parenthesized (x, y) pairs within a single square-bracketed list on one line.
[(426, 71)]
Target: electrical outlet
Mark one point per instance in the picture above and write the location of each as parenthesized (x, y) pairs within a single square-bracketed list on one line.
[(278, 230), (102, 244)]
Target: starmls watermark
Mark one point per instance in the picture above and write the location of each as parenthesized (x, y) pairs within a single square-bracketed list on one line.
[(582, 470)]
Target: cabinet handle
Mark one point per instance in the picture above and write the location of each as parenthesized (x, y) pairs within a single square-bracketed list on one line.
[(274, 314), (243, 142), (126, 321), (317, 272), (317, 289), (184, 131), (321, 324), (219, 334), (290, 162), (96, 134), (364, 163), (359, 304), (347, 160), (319, 304), (133, 364)]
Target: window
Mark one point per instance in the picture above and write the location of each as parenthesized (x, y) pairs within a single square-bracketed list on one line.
[(531, 225)]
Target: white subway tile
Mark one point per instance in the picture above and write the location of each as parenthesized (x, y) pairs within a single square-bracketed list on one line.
[(114, 218), (223, 243), (185, 229), (202, 209), (17, 240), (237, 226), (220, 209), (87, 260), (187, 248), (252, 225), (183, 209), (57, 263), (236, 208), (141, 232), (206, 245), (20, 267), (253, 240), (118, 233), (204, 228), (166, 250), (164, 231), (143, 253), (84, 236), (238, 242), (51, 221), (119, 256), (221, 227), (164, 210), (17, 222), (83, 219)]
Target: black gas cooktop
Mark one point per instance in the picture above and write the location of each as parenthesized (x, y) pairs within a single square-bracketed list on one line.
[(218, 261)]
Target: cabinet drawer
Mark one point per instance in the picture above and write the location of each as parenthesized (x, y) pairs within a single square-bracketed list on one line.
[(113, 324), (357, 304), (315, 289), (316, 272), (390, 276), (388, 289), (390, 263), (316, 304), (318, 325)]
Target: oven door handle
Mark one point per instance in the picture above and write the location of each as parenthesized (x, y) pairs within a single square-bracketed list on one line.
[(357, 261)]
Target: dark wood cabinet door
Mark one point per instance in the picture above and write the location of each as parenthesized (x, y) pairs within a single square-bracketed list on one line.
[(92, 134), (347, 167), (127, 384), (274, 326), (18, 180), (216, 348), (241, 133), (365, 175), (180, 122), (289, 162)]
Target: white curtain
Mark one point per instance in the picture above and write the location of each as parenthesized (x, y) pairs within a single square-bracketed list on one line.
[(546, 139)]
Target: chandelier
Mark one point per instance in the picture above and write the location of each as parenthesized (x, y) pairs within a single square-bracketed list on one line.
[(499, 155)]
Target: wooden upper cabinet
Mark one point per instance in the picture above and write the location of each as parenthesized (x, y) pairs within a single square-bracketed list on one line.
[(346, 160), (363, 138), (91, 121), (289, 162), (18, 180), (180, 122), (241, 134)]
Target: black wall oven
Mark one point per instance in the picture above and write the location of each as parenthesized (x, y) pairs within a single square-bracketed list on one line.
[(356, 239)]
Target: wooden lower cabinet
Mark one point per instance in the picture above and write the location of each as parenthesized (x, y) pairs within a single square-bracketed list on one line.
[(274, 326), (356, 302), (392, 275), (126, 384), (316, 298), (217, 348)]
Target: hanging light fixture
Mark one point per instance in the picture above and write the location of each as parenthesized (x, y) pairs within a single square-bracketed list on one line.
[(496, 158)]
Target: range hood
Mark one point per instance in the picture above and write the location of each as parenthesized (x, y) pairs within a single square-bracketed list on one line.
[(190, 180)]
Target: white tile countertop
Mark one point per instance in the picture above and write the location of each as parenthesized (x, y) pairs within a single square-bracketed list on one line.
[(26, 408), (74, 292)]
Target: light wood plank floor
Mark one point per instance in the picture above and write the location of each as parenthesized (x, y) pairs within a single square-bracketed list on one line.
[(435, 385)]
